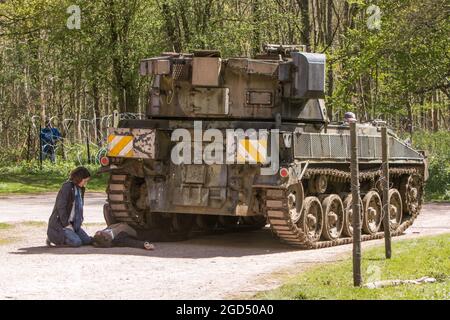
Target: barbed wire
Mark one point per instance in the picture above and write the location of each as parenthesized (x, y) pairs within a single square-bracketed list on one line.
[(78, 135)]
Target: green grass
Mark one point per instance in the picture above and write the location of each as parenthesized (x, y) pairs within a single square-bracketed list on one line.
[(27, 177), (5, 226), (411, 259), (3, 238), (95, 224), (5, 241), (34, 224)]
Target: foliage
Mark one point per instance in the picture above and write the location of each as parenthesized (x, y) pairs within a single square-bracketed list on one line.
[(399, 72), (438, 146), (384, 72), (411, 259)]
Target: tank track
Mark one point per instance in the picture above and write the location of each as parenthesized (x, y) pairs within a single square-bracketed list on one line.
[(276, 207), (119, 200)]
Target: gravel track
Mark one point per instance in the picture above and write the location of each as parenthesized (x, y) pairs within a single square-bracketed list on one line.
[(221, 266)]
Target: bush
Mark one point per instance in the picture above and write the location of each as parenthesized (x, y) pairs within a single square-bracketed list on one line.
[(438, 146), (28, 177), (60, 169)]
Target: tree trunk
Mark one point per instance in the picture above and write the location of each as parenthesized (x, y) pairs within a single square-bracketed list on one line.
[(170, 27), (96, 111), (306, 24), (329, 40), (410, 118), (256, 39), (435, 111)]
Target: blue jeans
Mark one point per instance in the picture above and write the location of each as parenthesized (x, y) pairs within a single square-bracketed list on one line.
[(76, 239), (48, 152)]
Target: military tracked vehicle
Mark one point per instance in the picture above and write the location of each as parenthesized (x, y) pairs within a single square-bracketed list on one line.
[(246, 142)]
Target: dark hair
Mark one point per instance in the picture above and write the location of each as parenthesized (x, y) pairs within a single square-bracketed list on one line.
[(102, 240), (79, 174)]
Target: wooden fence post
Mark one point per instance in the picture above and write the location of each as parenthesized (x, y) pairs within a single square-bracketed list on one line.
[(356, 208), (385, 180), (88, 149), (40, 147), (116, 118)]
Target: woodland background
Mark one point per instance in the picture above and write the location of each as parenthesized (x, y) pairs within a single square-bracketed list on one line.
[(399, 71)]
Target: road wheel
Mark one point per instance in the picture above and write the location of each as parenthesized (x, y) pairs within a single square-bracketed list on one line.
[(347, 230), (372, 212), (395, 209), (333, 214), (411, 194), (311, 220)]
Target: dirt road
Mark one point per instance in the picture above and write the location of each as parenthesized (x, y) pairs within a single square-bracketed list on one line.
[(208, 267), (39, 207)]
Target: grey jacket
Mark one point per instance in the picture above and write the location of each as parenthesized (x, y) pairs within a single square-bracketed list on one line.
[(61, 212)]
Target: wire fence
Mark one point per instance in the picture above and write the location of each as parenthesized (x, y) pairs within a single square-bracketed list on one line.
[(83, 141)]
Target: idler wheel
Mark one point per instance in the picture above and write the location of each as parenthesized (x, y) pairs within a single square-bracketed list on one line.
[(295, 201)]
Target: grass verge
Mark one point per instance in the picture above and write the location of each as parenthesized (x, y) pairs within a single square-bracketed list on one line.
[(438, 146), (412, 259), (27, 177), (4, 239), (5, 226), (34, 224)]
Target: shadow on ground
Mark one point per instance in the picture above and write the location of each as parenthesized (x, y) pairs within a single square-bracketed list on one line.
[(249, 243)]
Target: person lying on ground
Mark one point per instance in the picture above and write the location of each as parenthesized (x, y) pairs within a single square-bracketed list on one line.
[(64, 225), (123, 235)]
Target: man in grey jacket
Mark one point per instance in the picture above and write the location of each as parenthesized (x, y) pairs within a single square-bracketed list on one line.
[(123, 235)]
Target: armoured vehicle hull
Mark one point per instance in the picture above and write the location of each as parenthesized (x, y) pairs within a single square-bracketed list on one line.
[(245, 143)]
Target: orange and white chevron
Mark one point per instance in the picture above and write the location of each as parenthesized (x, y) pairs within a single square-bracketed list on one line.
[(120, 146), (252, 150)]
